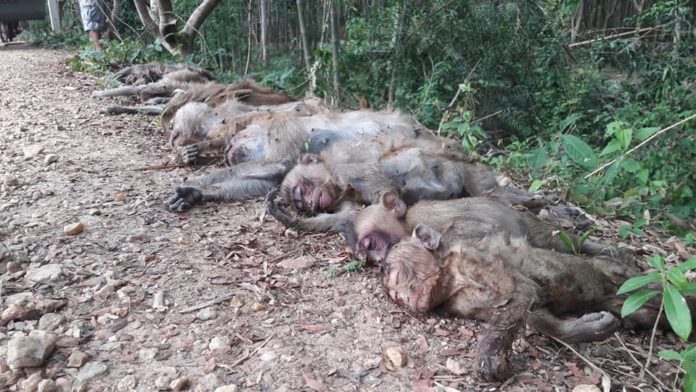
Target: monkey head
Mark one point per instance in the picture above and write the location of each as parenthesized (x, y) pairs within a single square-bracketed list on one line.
[(309, 186), (412, 271), (377, 227)]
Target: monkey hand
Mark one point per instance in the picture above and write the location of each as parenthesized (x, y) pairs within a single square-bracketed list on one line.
[(590, 327), (184, 199), (190, 154), (493, 357), (284, 216)]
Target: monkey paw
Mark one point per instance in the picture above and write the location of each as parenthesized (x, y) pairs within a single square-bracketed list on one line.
[(190, 154), (280, 213), (494, 367), (184, 199), (590, 327)]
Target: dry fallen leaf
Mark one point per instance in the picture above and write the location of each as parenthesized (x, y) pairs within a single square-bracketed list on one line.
[(395, 356), (74, 229)]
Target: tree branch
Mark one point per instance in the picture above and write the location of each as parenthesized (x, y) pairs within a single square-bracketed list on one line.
[(199, 15), (145, 17)]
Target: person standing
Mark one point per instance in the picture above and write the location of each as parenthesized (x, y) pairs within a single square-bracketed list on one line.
[(94, 20)]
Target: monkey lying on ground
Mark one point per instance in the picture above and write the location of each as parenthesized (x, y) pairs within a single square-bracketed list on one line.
[(372, 231), (216, 94), (429, 168), (262, 154), (498, 278), (202, 131), (139, 74)]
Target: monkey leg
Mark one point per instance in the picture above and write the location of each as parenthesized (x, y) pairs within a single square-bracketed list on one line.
[(242, 182), (590, 327), (118, 109), (124, 91)]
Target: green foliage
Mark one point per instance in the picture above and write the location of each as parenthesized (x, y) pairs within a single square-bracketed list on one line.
[(687, 361), (674, 286)]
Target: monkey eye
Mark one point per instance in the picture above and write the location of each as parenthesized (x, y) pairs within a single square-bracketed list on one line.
[(297, 197)]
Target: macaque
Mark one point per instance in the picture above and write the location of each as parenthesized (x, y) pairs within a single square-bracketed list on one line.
[(165, 86), (261, 154), (216, 94), (139, 74), (203, 131), (497, 277), (422, 168), (372, 231)]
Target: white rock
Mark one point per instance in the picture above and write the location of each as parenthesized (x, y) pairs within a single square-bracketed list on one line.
[(206, 314), (91, 370), (586, 388), (219, 343), (207, 383), (44, 274), (127, 384), (47, 386), (162, 383), (50, 158), (30, 351), (51, 321), (31, 383), (227, 388), (180, 383), (269, 356), (76, 359)]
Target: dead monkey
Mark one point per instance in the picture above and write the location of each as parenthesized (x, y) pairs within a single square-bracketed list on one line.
[(376, 228), (262, 154), (498, 278), (423, 168), (139, 74)]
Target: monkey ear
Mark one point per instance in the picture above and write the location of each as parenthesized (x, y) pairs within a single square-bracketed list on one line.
[(392, 202), (308, 159), (429, 237)]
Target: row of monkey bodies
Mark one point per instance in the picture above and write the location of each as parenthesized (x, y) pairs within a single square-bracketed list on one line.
[(444, 232)]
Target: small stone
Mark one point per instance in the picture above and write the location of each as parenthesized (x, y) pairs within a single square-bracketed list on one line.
[(180, 383), (64, 385), (395, 356), (51, 321), (32, 151), (147, 354), (301, 262), (257, 306), (207, 383), (47, 386), (586, 388), (158, 301), (127, 384), (11, 181), (454, 367), (74, 228), (76, 359), (139, 238), (13, 267), (91, 370), (162, 383), (236, 302), (120, 197), (268, 356), (30, 351), (219, 344), (31, 383), (227, 388), (206, 314), (45, 274), (50, 158)]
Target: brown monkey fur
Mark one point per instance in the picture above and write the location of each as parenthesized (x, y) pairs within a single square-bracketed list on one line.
[(261, 154), (499, 278), (378, 227), (140, 74)]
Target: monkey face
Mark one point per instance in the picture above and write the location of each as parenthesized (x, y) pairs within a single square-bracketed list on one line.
[(309, 187), (411, 274), (374, 245), (378, 227)]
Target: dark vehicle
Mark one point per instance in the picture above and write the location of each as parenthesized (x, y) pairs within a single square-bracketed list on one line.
[(14, 11)]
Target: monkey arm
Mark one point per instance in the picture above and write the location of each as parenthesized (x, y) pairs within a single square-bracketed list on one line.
[(210, 150), (590, 327), (241, 182), (336, 221)]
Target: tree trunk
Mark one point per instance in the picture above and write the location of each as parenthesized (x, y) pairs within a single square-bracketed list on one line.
[(578, 20), (333, 17), (264, 23), (397, 43), (303, 35)]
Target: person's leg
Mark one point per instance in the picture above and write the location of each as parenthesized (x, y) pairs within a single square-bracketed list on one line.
[(95, 36)]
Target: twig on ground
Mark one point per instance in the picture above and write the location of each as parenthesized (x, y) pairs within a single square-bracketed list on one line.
[(249, 354), (162, 166), (613, 36), (214, 301), (652, 337), (606, 380), (630, 354)]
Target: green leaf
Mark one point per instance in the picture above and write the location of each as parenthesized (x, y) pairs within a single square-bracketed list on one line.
[(643, 176), (613, 146), (645, 133), (656, 261), (536, 184), (690, 353), (638, 282), (538, 158), (689, 288), (624, 136), (612, 172), (677, 312), (635, 301), (677, 278), (670, 355), (568, 121), (584, 236), (567, 241), (630, 165), (579, 151), (687, 265), (690, 382)]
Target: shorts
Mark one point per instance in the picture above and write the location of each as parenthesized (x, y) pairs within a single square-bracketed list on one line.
[(93, 14)]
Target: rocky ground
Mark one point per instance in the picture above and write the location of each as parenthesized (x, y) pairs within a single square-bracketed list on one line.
[(103, 289)]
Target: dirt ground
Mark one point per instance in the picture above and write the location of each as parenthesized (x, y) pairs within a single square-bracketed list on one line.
[(218, 296)]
